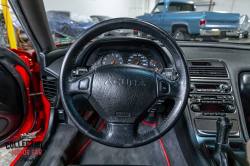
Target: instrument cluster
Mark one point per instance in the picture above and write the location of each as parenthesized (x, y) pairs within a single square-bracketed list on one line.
[(143, 58)]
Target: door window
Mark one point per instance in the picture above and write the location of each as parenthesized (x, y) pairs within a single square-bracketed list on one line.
[(159, 8)]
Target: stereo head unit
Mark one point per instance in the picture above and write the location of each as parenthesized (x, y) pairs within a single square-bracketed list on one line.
[(209, 87)]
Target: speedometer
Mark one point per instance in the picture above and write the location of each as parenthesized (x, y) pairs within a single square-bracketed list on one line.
[(112, 58), (138, 59)]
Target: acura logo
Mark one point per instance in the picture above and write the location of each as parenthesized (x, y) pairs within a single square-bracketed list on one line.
[(124, 82)]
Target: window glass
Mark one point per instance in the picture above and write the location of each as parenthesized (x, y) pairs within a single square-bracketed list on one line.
[(176, 6), (159, 8)]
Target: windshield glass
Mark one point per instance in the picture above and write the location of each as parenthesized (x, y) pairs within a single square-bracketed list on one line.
[(213, 20)]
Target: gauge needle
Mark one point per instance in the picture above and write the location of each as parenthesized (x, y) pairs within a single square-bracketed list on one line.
[(153, 63), (137, 63), (159, 71), (112, 62)]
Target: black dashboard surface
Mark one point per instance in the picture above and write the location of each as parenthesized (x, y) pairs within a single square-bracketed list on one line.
[(236, 57)]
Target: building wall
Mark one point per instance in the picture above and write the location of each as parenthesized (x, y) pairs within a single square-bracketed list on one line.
[(133, 8), (112, 8)]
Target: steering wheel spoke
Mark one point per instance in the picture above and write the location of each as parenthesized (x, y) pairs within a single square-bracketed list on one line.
[(80, 85), (121, 133), (167, 88)]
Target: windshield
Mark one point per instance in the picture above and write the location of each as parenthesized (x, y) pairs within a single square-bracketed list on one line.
[(214, 21)]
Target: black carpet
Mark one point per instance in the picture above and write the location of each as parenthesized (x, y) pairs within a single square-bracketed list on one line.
[(151, 154)]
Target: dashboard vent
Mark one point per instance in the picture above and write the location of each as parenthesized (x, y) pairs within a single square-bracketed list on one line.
[(50, 88), (208, 72)]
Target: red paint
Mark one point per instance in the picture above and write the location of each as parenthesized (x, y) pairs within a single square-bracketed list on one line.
[(86, 144), (162, 146), (40, 135), (42, 106), (30, 61), (30, 112), (20, 53)]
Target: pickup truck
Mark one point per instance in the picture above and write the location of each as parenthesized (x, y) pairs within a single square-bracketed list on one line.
[(180, 18)]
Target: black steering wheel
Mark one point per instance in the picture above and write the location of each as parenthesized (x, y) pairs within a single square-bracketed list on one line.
[(124, 94)]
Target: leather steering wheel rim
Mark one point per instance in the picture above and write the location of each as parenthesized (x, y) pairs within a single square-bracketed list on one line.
[(122, 126)]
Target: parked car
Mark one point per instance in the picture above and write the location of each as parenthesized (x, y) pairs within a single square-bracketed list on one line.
[(244, 26), (118, 32), (180, 19), (98, 18), (61, 22)]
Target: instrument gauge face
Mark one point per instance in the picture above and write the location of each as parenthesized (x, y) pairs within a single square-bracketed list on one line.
[(156, 66), (112, 58), (138, 59)]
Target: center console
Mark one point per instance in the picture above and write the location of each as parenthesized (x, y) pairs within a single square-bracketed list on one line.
[(211, 96)]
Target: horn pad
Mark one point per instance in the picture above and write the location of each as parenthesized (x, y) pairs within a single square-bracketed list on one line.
[(123, 93)]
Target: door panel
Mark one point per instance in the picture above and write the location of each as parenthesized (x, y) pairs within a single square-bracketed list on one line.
[(14, 100), (11, 106), (156, 19)]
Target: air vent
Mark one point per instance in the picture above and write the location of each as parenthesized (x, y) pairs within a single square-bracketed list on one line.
[(208, 72), (50, 88), (235, 145)]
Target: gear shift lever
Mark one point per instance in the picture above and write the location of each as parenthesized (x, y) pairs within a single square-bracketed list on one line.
[(224, 125)]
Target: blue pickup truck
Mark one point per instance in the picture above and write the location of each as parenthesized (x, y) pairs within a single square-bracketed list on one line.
[(180, 18)]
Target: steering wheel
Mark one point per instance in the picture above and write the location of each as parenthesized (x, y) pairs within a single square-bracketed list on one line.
[(123, 94)]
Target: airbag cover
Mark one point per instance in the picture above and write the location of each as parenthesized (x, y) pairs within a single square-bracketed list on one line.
[(122, 93)]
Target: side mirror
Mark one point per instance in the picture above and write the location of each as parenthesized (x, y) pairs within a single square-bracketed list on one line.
[(152, 14)]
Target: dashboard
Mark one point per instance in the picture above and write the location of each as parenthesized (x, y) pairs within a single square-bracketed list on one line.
[(213, 95)]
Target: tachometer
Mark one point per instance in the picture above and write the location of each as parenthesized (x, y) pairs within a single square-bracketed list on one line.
[(138, 59), (112, 58)]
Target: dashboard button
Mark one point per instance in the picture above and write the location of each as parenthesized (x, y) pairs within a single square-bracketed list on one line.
[(198, 90)]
